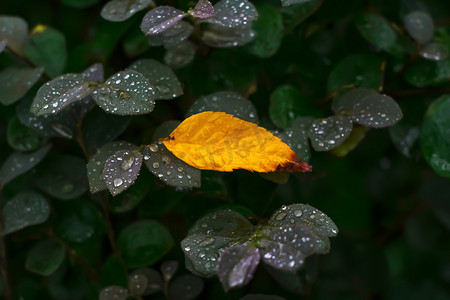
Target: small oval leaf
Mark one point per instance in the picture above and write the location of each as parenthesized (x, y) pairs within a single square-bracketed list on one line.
[(121, 170), (15, 83), (45, 257), (121, 10), (328, 133), (160, 19), (376, 111), (420, 26)]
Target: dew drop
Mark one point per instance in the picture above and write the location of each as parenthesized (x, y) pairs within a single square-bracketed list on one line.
[(118, 182)]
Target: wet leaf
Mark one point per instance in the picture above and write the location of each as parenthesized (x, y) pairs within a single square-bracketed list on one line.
[(186, 287), (168, 168), (129, 199), (297, 13), (121, 10), (434, 51), (420, 26), (160, 19), (236, 266), (164, 129), (360, 70), (63, 177), (269, 32), (121, 170), (46, 47), (113, 293), (58, 93), (405, 138), (376, 111), (355, 137), (173, 36), (15, 83), (210, 236), (228, 102), (223, 37), (345, 102), (428, 73), (203, 9), (144, 242), (168, 269), (328, 133), (286, 105), (19, 163), (233, 13), (434, 136), (25, 209), (222, 142), (296, 137), (97, 162), (137, 284), (3, 44), (15, 31), (291, 2), (180, 55), (155, 283), (164, 82), (125, 93), (94, 73), (261, 297), (45, 257), (22, 138)]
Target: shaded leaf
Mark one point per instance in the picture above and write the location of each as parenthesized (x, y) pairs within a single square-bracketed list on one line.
[(345, 102), (113, 293), (164, 82), (125, 93), (355, 137), (261, 297), (19, 163), (269, 32), (25, 209), (46, 47), (210, 236), (160, 19), (173, 36), (296, 137), (155, 283), (420, 26), (80, 3), (228, 102), (285, 105), (186, 287), (405, 138), (434, 51), (15, 83), (94, 73), (121, 10), (63, 177), (45, 257), (376, 111), (97, 162), (236, 266), (180, 55), (15, 31), (121, 170), (427, 72), (168, 269), (22, 138), (291, 2), (203, 9), (3, 44), (222, 142), (168, 168), (297, 13), (137, 284), (130, 198), (434, 136), (113, 271), (58, 93), (223, 37), (328, 133), (144, 242), (164, 129), (233, 13)]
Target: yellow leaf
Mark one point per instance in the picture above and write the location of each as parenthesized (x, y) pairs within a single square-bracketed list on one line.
[(221, 142)]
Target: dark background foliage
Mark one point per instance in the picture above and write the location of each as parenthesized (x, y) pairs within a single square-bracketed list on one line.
[(392, 209)]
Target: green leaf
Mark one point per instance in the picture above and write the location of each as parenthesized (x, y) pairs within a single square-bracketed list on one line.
[(113, 271), (15, 31), (121, 10), (434, 51), (63, 177), (46, 47), (130, 198), (376, 111), (168, 168), (297, 13), (353, 140), (15, 83), (45, 257), (60, 92), (377, 31), (137, 284), (296, 137), (161, 78), (80, 3), (186, 287), (144, 242), (3, 44), (113, 293), (328, 133), (291, 2), (173, 36), (223, 37), (420, 26), (229, 102), (96, 164), (286, 104), (202, 10), (344, 102), (427, 73), (153, 279), (209, 237), (22, 138), (435, 136), (25, 209), (19, 163), (180, 55), (233, 13), (160, 19), (121, 170), (269, 32), (135, 43), (360, 70), (125, 93), (164, 129), (405, 137)]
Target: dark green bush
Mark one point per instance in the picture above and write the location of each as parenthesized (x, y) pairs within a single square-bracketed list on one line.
[(93, 205)]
